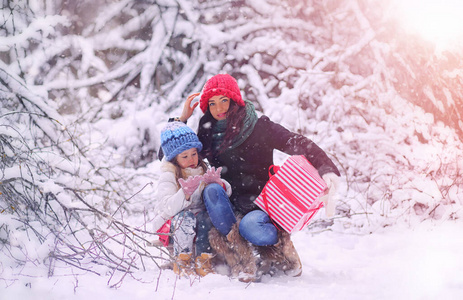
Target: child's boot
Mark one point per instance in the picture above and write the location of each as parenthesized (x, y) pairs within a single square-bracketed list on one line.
[(183, 265), (203, 264)]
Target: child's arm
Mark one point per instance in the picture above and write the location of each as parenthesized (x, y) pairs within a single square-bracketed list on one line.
[(171, 199)]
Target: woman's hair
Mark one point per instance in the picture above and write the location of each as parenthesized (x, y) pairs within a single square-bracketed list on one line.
[(205, 133), (178, 169), (235, 117)]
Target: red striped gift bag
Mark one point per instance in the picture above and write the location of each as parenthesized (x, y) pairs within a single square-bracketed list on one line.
[(291, 197)]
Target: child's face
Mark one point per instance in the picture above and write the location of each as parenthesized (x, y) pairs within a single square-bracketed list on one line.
[(188, 158), (218, 106)]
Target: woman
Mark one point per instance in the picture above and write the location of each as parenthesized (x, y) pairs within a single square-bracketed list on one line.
[(234, 138)]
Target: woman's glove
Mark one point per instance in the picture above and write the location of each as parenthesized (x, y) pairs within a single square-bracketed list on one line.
[(212, 176), (190, 184), (332, 182)]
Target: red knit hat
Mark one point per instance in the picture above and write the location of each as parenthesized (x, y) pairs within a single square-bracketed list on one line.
[(221, 84)]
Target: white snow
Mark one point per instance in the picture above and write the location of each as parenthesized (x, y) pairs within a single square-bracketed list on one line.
[(398, 231), (422, 261)]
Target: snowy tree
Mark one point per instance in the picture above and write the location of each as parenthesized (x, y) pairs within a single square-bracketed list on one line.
[(87, 85)]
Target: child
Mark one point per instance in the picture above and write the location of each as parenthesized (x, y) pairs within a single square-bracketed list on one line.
[(183, 181)]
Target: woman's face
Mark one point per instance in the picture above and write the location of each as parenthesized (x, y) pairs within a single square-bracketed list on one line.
[(188, 158), (218, 106)]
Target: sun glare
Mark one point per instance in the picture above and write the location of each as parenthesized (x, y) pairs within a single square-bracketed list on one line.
[(438, 21)]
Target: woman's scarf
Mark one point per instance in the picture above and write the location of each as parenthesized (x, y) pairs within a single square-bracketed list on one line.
[(218, 131)]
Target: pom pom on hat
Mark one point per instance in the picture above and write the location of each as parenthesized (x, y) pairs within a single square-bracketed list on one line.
[(177, 137), (220, 84)]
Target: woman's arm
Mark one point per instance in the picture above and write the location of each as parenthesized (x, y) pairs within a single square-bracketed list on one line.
[(295, 144)]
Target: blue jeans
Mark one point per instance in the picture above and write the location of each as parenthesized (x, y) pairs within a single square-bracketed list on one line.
[(219, 208), (255, 226)]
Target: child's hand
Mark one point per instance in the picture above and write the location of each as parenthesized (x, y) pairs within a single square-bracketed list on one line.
[(212, 176), (190, 185)]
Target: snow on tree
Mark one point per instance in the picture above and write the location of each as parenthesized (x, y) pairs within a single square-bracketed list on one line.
[(86, 87)]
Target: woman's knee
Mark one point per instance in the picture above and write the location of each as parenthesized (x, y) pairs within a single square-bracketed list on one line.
[(256, 216), (257, 228), (215, 198), (214, 192), (219, 207)]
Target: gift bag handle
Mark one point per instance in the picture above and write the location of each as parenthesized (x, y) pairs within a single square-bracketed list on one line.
[(272, 170)]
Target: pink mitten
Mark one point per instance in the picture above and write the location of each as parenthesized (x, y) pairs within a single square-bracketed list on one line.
[(190, 184), (212, 176)]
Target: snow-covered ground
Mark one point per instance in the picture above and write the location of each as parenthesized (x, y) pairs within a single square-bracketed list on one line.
[(398, 233), (421, 261)]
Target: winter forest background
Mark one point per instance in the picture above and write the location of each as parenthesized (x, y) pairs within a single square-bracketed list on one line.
[(86, 86)]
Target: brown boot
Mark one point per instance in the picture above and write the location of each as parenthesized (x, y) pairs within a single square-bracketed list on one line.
[(236, 251), (220, 245), (183, 265), (281, 256), (203, 265)]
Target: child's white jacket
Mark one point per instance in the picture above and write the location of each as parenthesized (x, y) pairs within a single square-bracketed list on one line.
[(170, 197)]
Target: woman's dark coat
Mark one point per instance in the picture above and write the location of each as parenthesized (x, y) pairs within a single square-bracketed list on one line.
[(246, 167)]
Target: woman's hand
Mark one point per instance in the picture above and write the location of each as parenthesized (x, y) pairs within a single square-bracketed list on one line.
[(332, 182), (187, 108)]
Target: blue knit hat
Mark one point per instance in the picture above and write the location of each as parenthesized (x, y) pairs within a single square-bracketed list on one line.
[(177, 137)]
